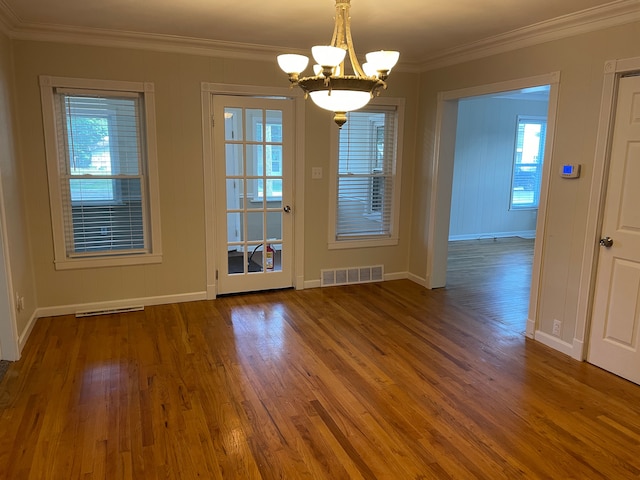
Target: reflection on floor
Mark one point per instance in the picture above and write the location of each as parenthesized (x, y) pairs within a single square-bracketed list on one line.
[(492, 277)]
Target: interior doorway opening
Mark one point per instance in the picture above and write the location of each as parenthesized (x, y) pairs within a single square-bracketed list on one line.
[(489, 198), (497, 172)]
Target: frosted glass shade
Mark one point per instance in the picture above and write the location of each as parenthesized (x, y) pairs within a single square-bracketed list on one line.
[(383, 60), (369, 70), (340, 100), (292, 63), (328, 56)]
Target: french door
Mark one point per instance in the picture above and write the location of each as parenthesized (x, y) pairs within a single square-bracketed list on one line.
[(253, 155)]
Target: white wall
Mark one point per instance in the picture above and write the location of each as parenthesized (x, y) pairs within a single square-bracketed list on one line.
[(485, 140), (16, 264)]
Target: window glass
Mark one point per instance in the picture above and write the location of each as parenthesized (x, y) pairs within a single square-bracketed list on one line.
[(528, 161), (366, 174), (101, 166)]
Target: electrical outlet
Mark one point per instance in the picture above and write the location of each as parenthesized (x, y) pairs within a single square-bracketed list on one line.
[(316, 173), (19, 302), (557, 327)]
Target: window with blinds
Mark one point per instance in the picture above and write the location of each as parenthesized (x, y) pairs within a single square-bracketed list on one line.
[(100, 149), (101, 179), (366, 174)]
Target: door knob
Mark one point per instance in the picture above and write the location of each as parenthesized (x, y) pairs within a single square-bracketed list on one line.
[(606, 242), (287, 209)]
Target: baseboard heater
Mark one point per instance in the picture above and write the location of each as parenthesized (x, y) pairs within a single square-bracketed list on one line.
[(109, 311), (347, 276)]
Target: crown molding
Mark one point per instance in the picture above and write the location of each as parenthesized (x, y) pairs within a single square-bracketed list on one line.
[(597, 18), (613, 14), (8, 19), (144, 41)]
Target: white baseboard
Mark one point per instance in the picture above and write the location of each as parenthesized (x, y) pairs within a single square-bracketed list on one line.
[(161, 300), (312, 283), (489, 235), (22, 339), (554, 342), (531, 328), (396, 276), (579, 352), (419, 280)]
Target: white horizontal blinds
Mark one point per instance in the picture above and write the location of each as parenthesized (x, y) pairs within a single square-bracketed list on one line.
[(101, 168), (366, 160)]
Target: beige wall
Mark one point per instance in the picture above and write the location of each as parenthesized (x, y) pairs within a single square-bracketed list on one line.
[(177, 79), (19, 261), (580, 61)]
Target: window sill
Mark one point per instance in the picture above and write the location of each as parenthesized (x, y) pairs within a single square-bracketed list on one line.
[(113, 261), (363, 243)]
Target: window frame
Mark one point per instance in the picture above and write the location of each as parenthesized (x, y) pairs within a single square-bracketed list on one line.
[(377, 104), (528, 119), (152, 233)]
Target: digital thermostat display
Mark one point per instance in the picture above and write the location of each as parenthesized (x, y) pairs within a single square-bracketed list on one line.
[(570, 171)]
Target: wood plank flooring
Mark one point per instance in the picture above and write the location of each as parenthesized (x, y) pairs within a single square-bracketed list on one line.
[(492, 277), (375, 381)]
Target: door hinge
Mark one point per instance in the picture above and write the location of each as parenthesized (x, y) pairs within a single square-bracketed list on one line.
[(213, 121), (216, 274)]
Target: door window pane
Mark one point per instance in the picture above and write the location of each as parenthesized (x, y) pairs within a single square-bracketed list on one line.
[(234, 159), (233, 124), (255, 228), (274, 226), (234, 227)]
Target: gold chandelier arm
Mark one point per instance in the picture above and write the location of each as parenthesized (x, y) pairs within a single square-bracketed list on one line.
[(357, 69), (342, 36)]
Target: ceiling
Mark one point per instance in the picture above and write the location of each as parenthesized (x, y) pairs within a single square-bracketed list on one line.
[(422, 30)]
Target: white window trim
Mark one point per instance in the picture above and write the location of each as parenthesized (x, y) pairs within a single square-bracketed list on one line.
[(61, 260), (373, 241)]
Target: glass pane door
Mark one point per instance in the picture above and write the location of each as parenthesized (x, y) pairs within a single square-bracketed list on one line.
[(255, 220)]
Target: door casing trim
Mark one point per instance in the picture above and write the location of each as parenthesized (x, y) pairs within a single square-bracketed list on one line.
[(442, 177), (207, 91), (613, 70)]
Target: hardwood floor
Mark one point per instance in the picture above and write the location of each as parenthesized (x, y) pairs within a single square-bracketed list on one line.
[(492, 277), (375, 381)]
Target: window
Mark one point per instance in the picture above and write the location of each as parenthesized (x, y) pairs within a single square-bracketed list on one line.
[(102, 175), (527, 164), (273, 151), (365, 201)]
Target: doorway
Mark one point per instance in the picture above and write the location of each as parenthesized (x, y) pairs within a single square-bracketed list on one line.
[(499, 155), (443, 179), (254, 177), (253, 156)]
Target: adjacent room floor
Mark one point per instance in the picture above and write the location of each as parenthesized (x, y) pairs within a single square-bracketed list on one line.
[(492, 277)]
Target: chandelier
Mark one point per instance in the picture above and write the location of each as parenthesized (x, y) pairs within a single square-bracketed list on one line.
[(331, 87)]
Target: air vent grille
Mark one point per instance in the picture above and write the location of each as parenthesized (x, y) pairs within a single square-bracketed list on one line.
[(346, 276)]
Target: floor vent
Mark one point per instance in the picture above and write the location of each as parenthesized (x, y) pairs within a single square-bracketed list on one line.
[(346, 276), (109, 311)]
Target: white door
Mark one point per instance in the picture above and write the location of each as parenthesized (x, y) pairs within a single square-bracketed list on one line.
[(253, 155), (614, 342)]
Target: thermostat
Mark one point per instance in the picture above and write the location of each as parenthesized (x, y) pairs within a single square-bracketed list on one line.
[(570, 171)]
